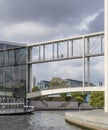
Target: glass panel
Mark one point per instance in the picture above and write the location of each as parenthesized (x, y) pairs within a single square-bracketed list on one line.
[(14, 46), (12, 72), (8, 57), (22, 80), (8, 46), (15, 71), (22, 55), (15, 57), (2, 58), (1, 78), (1, 46), (8, 79)]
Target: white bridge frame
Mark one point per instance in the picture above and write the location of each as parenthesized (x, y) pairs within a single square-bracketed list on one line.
[(97, 88), (64, 90)]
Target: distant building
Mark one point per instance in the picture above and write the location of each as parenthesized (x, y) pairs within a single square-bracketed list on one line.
[(76, 83), (43, 84)]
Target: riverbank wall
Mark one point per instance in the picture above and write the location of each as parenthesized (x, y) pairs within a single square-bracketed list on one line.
[(91, 120), (53, 105)]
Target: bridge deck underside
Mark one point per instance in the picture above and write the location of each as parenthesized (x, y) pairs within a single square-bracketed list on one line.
[(64, 90)]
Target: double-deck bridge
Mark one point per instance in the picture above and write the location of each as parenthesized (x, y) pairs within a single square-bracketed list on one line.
[(80, 47)]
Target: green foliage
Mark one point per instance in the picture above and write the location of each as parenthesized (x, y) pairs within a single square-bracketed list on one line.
[(63, 96), (57, 82), (78, 94), (44, 98), (79, 97), (35, 89), (34, 80), (97, 99), (55, 99)]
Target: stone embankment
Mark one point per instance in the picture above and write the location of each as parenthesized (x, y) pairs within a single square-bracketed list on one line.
[(93, 120), (52, 105)]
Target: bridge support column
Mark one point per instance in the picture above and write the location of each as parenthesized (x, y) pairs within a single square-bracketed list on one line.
[(88, 61), (83, 52), (106, 52), (30, 77)]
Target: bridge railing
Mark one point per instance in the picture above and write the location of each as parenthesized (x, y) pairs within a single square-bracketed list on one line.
[(59, 87), (65, 49)]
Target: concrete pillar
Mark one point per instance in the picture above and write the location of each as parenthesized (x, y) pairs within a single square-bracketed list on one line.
[(57, 50), (83, 54), (53, 51), (88, 61), (72, 48), (106, 52), (30, 76), (67, 49)]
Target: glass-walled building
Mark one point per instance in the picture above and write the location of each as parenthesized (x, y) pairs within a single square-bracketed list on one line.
[(13, 74)]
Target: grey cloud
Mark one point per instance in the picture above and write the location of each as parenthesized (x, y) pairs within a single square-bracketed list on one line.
[(47, 11), (98, 24), (60, 18)]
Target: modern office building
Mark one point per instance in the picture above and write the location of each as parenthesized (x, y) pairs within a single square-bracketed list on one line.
[(43, 84), (14, 71), (76, 83)]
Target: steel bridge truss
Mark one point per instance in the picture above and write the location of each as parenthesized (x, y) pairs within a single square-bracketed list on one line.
[(85, 47)]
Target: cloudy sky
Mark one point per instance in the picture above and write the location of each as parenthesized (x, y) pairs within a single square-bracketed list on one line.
[(34, 21)]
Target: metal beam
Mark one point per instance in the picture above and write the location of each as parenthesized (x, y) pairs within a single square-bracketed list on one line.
[(66, 39), (62, 59)]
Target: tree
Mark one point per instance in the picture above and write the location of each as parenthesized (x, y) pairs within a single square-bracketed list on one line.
[(63, 96), (57, 82), (97, 99), (79, 97), (35, 89), (34, 81)]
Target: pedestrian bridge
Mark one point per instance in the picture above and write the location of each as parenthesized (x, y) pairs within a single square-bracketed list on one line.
[(64, 90)]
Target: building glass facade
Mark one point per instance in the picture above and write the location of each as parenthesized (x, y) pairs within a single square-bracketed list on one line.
[(76, 83), (13, 70), (43, 84)]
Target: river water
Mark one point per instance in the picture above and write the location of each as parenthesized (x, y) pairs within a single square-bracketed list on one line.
[(40, 120)]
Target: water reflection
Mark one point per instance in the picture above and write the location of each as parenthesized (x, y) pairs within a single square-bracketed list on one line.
[(49, 120)]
